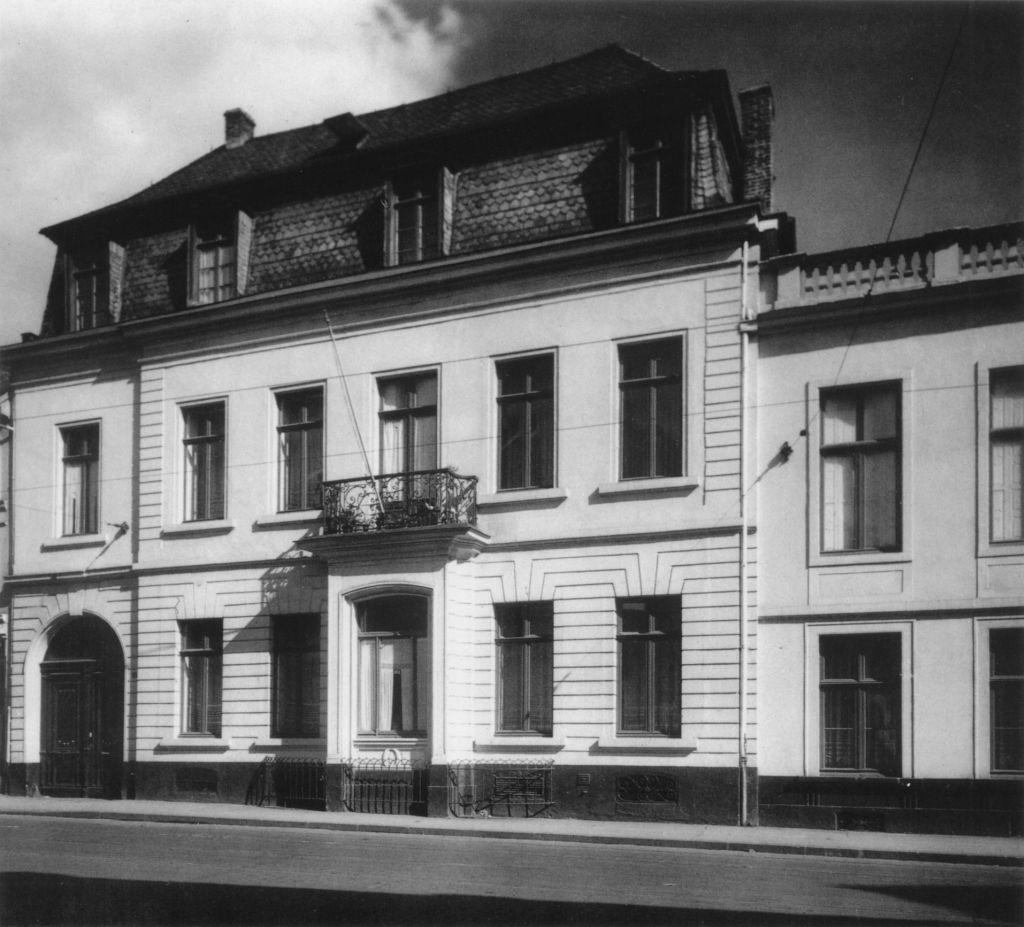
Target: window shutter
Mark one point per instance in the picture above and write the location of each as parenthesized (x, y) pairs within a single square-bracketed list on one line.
[(625, 212), (448, 185), (115, 285), (192, 272), (243, 248), (387, 203)]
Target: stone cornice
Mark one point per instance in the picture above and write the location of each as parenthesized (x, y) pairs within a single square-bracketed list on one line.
[(447, 542)]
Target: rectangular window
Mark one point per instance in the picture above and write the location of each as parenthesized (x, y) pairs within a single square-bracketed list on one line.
[(394, 666), (649, 666), (296, 710), (1006, 441), (90, 299), (860, 703), (300, 430), (526, 426), (408, 423), (214, 262), (201, 660), (81, 464), (1006, 679), (525, 671), (655, 177), (860, 468), (651, 397), (204, 462), (415, 217)]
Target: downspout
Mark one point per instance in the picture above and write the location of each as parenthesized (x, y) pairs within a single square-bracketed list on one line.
[(742, 657)]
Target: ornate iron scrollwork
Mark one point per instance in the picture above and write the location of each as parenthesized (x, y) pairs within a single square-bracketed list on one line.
[(646, 788)]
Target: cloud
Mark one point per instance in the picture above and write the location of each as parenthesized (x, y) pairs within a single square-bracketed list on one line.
[(99, 99)]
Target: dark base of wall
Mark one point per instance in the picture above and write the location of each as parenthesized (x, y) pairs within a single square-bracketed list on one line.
[(983, 807)]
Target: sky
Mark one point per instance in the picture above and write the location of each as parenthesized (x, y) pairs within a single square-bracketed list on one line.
[(100, 98)]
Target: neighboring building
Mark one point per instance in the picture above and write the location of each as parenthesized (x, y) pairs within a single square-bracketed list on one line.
[(5, 469), (891, 571), (518, 306)]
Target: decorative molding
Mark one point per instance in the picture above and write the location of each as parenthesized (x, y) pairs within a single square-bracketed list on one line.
[(197, 528), (518, 744), (450, 542), (74, 541), (522, 499), (652, 746), (670, 485)]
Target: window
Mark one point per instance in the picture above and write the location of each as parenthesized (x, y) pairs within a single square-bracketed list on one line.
[(201, 658), (300, 431), (394, 666), (525, 672), (414, 217), (408, 423), (89, 293), (860, 468), (654, 175), (651, 395), (649, 674), (204, 462), (214, 262), (860, 703), (1006, 672), (296, 711), (526, 427), (81, 463), (1006, 437)]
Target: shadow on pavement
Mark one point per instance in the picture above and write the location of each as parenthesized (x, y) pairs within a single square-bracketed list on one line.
[(45, 898), (984, 902)]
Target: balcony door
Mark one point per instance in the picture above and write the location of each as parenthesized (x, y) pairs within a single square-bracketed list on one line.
[(408, 446), (82, 711)]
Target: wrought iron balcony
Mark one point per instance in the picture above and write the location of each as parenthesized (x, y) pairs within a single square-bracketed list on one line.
[(399, 500)]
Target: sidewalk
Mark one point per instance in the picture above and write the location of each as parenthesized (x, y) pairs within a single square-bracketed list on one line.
[(992, 851)]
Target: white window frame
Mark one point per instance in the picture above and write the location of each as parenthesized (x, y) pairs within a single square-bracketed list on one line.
[(982, 696), (92, 268), (61, 481), (280, 394), (812, 691), (986, 546), (497, 361), (188, 517)]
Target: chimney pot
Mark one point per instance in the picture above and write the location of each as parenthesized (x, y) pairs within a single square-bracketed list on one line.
[(757, 110), (239, 127)]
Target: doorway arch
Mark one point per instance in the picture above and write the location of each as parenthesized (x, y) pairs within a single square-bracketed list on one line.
[(82, 711)]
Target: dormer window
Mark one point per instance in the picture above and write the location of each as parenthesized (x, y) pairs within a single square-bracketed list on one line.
[(219, 262), (653, 173), (89, 292), (419, 211)]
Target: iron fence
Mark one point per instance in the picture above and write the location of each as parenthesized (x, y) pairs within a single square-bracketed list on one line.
[(289, 782), (382, 786), (499, 789)]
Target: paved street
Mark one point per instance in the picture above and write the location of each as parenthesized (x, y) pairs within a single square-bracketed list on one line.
[(78, 872)]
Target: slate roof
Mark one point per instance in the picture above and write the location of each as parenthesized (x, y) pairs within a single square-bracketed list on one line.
[(606, 70)]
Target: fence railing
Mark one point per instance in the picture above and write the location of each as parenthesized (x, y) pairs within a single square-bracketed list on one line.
[(499, 789), (384, 786), (289, 782), (399, 500)]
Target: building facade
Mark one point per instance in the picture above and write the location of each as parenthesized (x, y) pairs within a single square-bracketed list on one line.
[(891, 615), (394, 464)]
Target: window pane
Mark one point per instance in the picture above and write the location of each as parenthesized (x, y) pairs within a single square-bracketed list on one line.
[(636, 432), (1007, 388), (838, 506), (838, 733), (880, 415), (645, 187), (513, 445), (880, 500), (511, 673), (538, 716), (666, 686), (367, 702), (839, 419), (1007, 647), (633, 683), (1007, 502), (669, 438), (881, 731), (1008, 725)]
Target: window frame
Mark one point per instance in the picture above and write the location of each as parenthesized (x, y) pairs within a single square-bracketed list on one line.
[(670, 607), (426, 202), (1002, 435), (92, 481), (527, 398), (525, 643), (407, 414), (669, 150), (92, 268), (651, 383), (217, 236), (309, 497), (211, 681), (192, 512), (285, 629)]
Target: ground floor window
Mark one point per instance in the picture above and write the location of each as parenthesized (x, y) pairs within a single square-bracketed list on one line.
[(394, 666), (649, 671), (1006, 663), (525, 675), (296, 676), (860, 703), (201, 663)]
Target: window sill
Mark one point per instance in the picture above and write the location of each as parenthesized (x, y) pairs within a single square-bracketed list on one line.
[(662, 486), (196, 744), (517, 743), (197, 528), (385, 741), (653, 746), (287, 743), (859, 557), (75, 541), (522, 498), (305, 517)]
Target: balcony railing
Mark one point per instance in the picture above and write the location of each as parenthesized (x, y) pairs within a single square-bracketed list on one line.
[(399, 500)]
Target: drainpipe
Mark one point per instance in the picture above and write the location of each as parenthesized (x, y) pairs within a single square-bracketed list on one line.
[(742, 726)]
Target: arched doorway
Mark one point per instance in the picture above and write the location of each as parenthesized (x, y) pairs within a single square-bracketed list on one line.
[(82, 711)]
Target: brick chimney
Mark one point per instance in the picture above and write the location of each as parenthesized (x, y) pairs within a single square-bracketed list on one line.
[(757, 110), (239, 127)]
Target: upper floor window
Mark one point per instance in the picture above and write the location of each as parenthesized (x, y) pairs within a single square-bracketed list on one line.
[(651, 396), (860, 468), (525, 673), (414, 217), (201, 664), (526, 427), (81, 462), (1006, 680), (214, 261), (408, 423), (654, 173), (1006, 439), (296, 710), (203, 442), (300, 430), (650, 686), (89, 290), (860, 703)]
